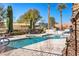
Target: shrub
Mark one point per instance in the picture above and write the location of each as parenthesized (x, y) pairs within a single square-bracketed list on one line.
[(36, 31), (18, 32)]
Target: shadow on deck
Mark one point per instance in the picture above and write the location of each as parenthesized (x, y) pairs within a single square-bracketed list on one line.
[(4, 49)]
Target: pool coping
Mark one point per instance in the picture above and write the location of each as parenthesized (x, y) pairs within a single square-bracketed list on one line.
[(18, 37)]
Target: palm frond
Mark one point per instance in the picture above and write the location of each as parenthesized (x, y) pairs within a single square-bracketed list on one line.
[(61, 6)]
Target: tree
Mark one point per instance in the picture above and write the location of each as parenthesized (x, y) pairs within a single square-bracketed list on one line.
[(10, 19), (2, 13), (22, 19), (48, 16), (31, 16), (60, 8), (52, 22)]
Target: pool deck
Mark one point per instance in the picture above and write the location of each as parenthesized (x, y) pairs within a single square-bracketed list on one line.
[(49, 47)]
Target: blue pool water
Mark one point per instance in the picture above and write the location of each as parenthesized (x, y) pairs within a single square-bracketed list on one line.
[(28, 41)]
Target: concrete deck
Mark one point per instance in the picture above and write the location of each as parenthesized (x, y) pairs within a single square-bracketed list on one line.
[(49, 47)]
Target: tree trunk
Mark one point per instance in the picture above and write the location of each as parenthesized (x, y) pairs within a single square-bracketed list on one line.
[(30, 24), (61, 20), (33, 24), (48, 16), (30, 27), (75, 38)]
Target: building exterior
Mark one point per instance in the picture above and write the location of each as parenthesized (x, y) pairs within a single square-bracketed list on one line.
[(65, 26), (20, 26), (23, 26), (16, 26), (1, 24)]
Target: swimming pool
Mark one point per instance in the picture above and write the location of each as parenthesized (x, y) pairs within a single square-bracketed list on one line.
[(28, 41)]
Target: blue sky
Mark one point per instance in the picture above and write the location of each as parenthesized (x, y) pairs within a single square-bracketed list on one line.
[(21, 8)]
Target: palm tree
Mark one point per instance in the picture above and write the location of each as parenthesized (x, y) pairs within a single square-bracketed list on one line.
[(10, 19), (48, 16), (60, 8)]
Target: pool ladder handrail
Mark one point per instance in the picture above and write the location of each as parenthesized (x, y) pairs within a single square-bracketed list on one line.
[(2, 43)]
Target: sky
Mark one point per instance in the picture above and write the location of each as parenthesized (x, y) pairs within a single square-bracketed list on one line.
[(20, 8)]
